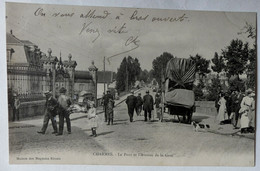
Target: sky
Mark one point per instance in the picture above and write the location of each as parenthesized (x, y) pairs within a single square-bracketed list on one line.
[(141, 36)]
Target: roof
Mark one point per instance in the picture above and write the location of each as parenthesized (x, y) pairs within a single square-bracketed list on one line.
[(11, 39), (27, 43), (82, 75), (104, 77)]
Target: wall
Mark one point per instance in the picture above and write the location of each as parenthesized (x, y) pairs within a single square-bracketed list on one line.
[(29, 109), (100, 89), (206, 107)]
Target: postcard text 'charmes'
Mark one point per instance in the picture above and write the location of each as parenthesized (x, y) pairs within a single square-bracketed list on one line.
[(88, 28)]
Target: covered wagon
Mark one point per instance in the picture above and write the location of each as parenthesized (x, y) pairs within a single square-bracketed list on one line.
[(178, 95)]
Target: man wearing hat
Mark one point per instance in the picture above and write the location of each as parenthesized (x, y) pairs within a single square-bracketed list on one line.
[(50, 112), (139, 104), (105, 101), (64, 103), (131, 102), (148, 105)]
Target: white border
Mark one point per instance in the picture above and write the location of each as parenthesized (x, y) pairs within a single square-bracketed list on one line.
[(206, 5)]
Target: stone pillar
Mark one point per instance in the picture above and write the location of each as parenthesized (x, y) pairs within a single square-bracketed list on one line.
[(93, 70), (53, 69)]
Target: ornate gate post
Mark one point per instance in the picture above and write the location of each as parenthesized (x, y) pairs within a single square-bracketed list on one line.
[(93, 70)]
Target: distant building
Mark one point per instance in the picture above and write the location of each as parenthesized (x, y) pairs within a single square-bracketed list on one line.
[(104, 79)]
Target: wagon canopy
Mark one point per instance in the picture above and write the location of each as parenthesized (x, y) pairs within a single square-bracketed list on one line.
[(180, 97), (181, 71)]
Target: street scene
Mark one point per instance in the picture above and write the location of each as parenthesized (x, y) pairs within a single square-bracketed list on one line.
[(118, 86), (125, 137)]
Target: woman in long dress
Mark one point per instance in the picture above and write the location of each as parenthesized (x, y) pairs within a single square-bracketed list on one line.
[(222, 112), (251, 128), (246, 107)]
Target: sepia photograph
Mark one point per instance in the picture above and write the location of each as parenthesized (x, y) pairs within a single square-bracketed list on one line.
[(91, 85)]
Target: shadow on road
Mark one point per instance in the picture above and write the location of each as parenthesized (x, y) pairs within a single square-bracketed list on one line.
[(86, 130), (121, 123), (120, 120), (105, 133)]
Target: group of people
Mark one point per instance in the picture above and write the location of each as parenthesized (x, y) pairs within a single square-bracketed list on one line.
[(146, 103), (237, 108), (55, 107)]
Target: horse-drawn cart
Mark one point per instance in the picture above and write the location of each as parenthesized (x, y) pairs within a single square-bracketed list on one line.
[(178, 95)]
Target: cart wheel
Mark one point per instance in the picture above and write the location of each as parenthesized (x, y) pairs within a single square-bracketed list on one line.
[(189, 117)]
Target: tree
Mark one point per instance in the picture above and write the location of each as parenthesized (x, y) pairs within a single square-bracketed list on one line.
[(159, 66), (214, 88), (202, 65), (251, 67), (236, 57), (127, 73), (218, 62), (144, 76), (198, 90)]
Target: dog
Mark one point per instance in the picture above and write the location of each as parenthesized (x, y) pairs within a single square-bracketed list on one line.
[(199, 127)]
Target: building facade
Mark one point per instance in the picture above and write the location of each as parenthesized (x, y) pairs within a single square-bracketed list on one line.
[(30, 73)]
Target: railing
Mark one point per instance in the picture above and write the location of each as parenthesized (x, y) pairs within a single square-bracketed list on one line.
[(31, 97)]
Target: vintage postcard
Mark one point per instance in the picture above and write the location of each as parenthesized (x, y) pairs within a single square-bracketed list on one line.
[(129, 86)]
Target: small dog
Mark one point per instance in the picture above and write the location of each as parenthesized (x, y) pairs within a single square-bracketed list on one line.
[(199, 127)]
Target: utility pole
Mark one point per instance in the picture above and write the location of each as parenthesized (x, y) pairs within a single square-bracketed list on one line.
[(126, 75), (104, 63)]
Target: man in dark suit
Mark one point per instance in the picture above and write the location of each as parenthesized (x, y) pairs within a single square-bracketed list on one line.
[(131, 102), (148, 105), (50, 112), (105, 102), (139, 104)]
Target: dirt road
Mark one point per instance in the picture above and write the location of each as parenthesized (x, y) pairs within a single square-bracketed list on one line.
[(136, 143)]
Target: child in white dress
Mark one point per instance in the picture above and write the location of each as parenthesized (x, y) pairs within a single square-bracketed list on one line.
[(92, 116)]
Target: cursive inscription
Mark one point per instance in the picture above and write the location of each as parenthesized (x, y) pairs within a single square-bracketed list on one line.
[(134, 16), (130, 41), (92, 14), (170, 19), (118, 30), (39, 12), (90, 30)]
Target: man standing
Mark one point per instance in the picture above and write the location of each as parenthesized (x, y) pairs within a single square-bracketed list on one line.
[(16, 107), (50, 112), (131, 102), (237, 107), (233, 98), (148, 105), (106, 100), (139, 104), (64, 103), (110, 111)]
